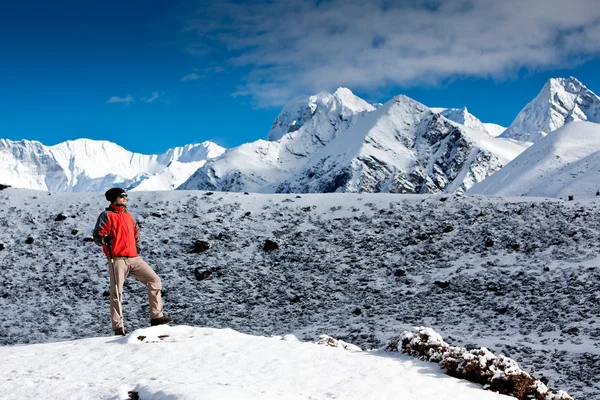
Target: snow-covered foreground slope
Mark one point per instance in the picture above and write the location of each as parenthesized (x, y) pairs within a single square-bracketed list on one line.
[(85, 165), (566, 162), (519, 276), (197, 363)]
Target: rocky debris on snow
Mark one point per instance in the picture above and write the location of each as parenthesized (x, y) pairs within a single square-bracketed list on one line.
[(1, 246), (60, 217), (29, 240), (343, 259), (202, 274), (3, 186), (74, 231), (270, 245), (133, 395), (88, 239), (496, 373), (327, 340), (399, 272), (295, 299), (441, 284), (200, 246)]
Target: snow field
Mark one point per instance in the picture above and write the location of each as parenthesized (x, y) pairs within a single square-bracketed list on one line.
[(193, 363)]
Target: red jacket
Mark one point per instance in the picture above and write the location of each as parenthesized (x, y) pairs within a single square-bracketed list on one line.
[(117, 222)]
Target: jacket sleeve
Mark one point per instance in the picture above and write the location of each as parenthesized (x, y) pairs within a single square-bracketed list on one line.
[(101, 229)]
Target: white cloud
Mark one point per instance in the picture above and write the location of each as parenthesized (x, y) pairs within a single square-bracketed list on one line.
[(116, 99), (297, 47), (197, 74), (191, 77), (155, 96)]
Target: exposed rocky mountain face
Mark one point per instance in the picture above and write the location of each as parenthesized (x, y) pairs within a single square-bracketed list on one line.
[(302, 128), (338, 142), (402, 147), (561, 101), (85, 165)]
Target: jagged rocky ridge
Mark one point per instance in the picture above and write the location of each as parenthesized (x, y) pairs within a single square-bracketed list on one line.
[(518, 277)]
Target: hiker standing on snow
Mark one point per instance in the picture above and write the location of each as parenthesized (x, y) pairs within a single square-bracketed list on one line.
[(117, 232)]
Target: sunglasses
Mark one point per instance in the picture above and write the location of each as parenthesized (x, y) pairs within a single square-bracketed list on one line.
[(123, 196)]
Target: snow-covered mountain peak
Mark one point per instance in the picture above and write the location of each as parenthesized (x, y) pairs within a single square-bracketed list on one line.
[(343, 104), (464, 117), (561, 100)]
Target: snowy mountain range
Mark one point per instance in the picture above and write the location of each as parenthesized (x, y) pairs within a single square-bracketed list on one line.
[(338, 142), (320, 143), (85, 165)]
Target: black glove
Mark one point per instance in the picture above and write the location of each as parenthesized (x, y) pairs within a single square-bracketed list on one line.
[(108, 240)]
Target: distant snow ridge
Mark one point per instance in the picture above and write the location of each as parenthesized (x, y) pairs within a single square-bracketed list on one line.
[(84, 165), (561, 101), (566, 162)]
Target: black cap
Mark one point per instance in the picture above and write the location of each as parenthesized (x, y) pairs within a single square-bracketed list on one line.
[(112, 194)]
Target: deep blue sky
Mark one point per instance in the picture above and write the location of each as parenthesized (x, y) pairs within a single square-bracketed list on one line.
[(183, 72)]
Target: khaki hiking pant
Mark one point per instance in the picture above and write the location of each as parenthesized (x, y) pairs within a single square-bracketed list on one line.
[(144, 274)]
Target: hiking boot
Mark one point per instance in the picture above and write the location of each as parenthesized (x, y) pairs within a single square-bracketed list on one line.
[(160, 321), (119, 332)]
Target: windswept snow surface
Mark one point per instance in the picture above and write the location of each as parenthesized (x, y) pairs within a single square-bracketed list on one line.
[(519, 276), (200, 363), (566, 162)]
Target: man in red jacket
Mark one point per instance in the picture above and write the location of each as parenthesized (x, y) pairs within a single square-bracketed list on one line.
[(117, 232)]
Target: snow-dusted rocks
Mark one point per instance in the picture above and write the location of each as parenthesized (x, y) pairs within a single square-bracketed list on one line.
[(523, 273), (560, 102), (566, 162), (89, 165), (497, 373)]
